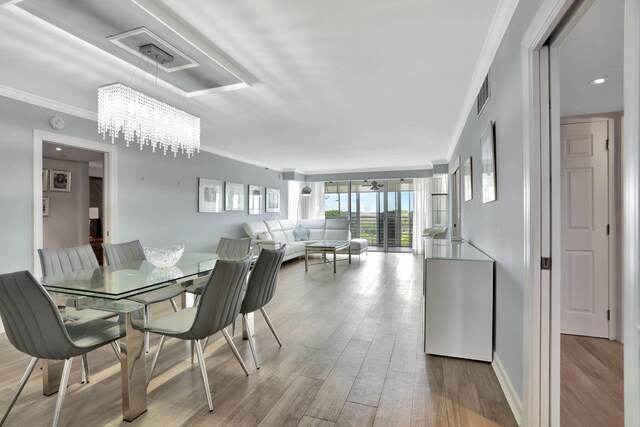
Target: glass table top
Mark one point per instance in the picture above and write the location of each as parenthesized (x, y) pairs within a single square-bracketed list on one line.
[(328, 244), (128, 279), (450, 250)]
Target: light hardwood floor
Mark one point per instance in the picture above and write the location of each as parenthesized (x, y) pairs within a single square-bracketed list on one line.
[(592, 382), (352, 356)]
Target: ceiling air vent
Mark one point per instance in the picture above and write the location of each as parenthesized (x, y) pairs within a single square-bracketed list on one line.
[(483, 95)]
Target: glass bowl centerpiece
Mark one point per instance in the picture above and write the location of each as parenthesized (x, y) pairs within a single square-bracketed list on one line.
[(164, 257)]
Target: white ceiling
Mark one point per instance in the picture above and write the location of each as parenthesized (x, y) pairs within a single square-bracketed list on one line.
[(70, 153), (340, 85), (593, 48)]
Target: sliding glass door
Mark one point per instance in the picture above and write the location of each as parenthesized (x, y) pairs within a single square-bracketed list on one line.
[(399, 215), (380, 211)]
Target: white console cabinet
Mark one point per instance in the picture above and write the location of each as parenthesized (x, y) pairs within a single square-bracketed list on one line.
[(458, 300)]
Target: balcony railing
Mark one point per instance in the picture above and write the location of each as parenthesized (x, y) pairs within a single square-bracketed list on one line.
[(400, 233)]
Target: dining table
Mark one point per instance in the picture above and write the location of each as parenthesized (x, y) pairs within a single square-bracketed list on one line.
[(108, 288)]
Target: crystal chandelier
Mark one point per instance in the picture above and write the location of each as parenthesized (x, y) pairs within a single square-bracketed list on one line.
[(146, 120)]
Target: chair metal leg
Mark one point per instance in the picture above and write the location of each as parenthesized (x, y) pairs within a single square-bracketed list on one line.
[(155, 358), (235, 351), (23, 381), (85, 369), (273, 330), (204, 344), (251, 342), (203, 371), (196, 300), (233, 328), (64, 381), (173, 304), (147, 309), (193, 351), (116, 349)]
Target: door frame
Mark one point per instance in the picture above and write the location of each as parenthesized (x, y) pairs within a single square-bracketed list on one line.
[(612, 243), (537, 409), (631, 212), (456, 205), (110, 185)]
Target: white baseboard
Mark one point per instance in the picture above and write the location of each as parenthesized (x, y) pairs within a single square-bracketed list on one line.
[(507, 387)]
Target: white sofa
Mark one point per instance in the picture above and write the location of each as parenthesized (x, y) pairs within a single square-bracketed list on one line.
[(273, 233)]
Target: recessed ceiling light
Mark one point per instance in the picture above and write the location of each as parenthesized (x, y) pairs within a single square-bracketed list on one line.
[(58, 149), (598, 81)]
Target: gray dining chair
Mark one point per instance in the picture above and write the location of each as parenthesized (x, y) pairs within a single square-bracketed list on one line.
[(227, 248), (219, 305), (121, 253), (260, 290), (67, 260), (34, 326)]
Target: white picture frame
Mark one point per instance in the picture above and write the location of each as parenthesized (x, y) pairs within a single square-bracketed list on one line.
[(209, 195), (255, 200), (45, 179), (45, 206), (488, 164), (233, 196), (59, 180), (272, 200), (467, 174)]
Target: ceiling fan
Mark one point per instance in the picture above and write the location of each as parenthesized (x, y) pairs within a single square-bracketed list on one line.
[(374, 185)]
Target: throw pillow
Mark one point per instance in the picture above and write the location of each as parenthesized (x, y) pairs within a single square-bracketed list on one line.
[(301, 234)]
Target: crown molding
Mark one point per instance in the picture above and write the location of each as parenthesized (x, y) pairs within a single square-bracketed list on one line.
[(360, 170), (499, 25), (236, 157), (40, 101)]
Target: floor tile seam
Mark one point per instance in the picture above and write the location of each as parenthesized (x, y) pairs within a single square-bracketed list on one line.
[(311, 399)]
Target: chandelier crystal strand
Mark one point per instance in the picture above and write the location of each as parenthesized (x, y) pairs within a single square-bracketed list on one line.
[(146, 121)]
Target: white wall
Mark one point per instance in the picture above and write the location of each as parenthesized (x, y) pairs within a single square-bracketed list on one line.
[(497, 228)]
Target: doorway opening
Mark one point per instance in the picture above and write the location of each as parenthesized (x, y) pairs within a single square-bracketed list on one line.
[(573, 188), (586, 89), (75, 184), (73, 204)]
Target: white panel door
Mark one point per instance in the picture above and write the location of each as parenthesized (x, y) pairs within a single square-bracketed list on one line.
[(585, 240)]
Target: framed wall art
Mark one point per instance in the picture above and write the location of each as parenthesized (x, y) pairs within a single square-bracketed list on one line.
[(233, 196), (273, 200), (467, 174), (209, 195), (255, 200), (488, 164), (59, 180)]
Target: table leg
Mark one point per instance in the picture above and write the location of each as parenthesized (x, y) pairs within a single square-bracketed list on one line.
[(183, 300), (133, 371), (334, 261), (306, 261), (51, 375), (349, 254), (247, 328)]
